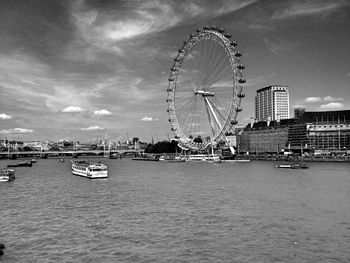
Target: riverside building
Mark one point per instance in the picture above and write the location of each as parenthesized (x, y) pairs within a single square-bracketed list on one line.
[(272, 103), (312, 132)]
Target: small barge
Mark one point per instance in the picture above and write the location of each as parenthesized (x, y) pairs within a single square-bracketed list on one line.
[(146, 157), (21, 164)]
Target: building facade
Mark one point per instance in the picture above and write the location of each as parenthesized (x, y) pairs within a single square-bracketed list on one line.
[(272, 103), (327, 131), (271, 137)]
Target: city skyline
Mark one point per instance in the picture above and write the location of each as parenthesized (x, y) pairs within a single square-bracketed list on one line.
[(78, 70)]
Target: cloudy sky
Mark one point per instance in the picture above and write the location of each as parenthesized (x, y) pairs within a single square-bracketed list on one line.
[(87, 69)]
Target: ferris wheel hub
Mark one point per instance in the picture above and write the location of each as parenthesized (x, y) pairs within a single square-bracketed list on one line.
[(203, 93)]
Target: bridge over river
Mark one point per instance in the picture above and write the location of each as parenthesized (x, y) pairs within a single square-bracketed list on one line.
[(71, 153)]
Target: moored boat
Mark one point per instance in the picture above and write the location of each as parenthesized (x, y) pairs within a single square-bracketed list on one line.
[(146, 157), (171, 159), (90, 170), (115, 156), (292, 166), (236, 160), (21, 164), (205, 158), (7, 175)]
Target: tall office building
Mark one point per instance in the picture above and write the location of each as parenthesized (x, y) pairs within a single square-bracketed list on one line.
[(272, 103)]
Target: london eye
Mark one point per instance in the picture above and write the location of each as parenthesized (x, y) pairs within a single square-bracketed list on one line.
[(205, 89)]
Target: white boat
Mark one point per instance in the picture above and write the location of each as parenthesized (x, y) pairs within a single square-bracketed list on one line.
[(292, 165), (205, 158), (166, 158), (7, 175), (90, 170), (236, 160)]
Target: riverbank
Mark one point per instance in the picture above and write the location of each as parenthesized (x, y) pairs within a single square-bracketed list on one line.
[(304, 158)]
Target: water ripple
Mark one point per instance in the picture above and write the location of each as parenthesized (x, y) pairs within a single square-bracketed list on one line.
[(156, 212)]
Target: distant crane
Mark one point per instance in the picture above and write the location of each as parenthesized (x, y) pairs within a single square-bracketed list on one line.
[(106, 153)]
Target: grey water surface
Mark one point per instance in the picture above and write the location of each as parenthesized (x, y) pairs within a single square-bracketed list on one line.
[(177, 212)]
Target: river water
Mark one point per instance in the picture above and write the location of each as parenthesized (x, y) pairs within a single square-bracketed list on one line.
[(177, 212)]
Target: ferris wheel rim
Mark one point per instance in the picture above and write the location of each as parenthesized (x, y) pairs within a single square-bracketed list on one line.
[(217, 35)]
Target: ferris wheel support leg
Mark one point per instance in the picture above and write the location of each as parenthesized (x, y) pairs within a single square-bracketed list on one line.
[(209, 116), (230, 146), (218, 123), (213, 112)]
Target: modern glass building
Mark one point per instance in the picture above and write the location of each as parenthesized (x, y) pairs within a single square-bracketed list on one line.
[(272, 103)]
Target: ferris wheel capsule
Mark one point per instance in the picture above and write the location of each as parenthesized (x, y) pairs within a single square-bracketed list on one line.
[(233, 43)]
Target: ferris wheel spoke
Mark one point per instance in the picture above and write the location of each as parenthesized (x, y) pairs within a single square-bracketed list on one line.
[(221, 74), (188, 113), (217, 71), (215, 65)]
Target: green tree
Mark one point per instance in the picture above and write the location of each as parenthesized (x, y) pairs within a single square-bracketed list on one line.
[(198, 139)]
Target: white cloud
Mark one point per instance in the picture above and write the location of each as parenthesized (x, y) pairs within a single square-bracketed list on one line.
[(278, 45), (102, 112), (330, 98), (307, 8), (35, 84), (92, 128), (296, 106), (312, 99), (332, 106), (16, 130), (146, 17), (148, 119), (72, 109), (5, 116)]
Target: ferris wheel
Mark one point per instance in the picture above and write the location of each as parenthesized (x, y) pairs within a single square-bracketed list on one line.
[(205, 89)]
